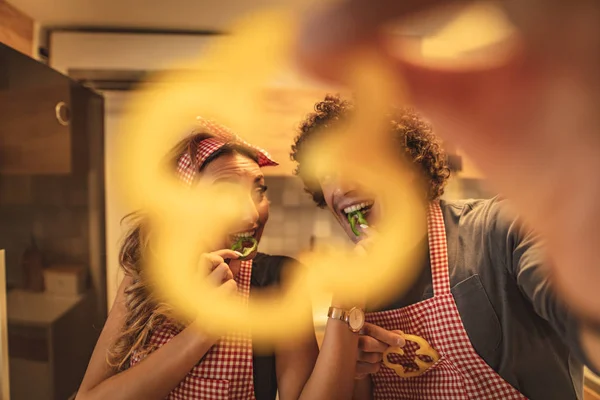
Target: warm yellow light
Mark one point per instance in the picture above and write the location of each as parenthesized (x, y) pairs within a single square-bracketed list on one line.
[(226, 88), (478, 26)]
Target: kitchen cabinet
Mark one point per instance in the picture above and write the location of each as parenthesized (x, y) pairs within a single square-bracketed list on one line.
[(41, 118), (51, 190), (49, 343), (16, 28), (33, 141)]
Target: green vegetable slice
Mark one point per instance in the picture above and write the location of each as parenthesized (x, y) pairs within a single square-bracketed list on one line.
[(354, 218), (238, 246)]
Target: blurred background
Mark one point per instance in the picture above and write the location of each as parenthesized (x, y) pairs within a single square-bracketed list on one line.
[(67, 69)]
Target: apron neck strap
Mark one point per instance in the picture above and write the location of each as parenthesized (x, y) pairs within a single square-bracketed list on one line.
[(438, 251), (243, 279)]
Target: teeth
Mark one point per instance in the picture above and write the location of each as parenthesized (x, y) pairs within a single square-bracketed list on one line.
[(243, 235), (357, 207)]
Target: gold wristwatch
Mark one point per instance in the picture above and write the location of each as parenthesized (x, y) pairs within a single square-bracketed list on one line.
[(355, 317)]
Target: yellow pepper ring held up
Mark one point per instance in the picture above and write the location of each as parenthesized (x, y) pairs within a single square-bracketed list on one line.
[(425, 349), (227, 84)]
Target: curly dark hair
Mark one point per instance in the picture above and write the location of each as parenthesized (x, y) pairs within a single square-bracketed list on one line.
[(413, 135)]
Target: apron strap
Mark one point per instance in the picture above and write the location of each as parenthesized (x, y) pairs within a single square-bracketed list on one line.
[(244, 276), (438, 251)]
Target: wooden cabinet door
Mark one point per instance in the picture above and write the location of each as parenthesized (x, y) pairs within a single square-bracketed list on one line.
[(35, 117)]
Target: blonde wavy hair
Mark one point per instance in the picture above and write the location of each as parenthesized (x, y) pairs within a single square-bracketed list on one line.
[(145, 311)]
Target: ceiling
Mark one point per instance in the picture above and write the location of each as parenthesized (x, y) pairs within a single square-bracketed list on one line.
[(186, 15), (145, 14)]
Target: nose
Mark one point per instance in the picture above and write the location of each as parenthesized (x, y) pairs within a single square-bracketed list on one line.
[(249, 212), (342, 187)]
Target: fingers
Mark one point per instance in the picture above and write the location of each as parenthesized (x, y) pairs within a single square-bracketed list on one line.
[(210, 261), (372, 358), (330, 34), (227, 254), (372, 343), (218, 257), (363, 368), (368, 344), (220, 275), (390, 338), (229, 286), (368, 239)]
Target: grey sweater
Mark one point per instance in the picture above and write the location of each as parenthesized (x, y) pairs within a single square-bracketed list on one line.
[(505, 300)]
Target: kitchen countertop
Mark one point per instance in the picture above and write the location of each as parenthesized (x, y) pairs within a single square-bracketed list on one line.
[(37, 308)]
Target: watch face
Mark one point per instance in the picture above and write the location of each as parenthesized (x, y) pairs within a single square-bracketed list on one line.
[(356, 319)]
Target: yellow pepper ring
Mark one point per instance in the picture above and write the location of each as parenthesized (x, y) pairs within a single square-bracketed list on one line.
[(425, 349), (228, 84)]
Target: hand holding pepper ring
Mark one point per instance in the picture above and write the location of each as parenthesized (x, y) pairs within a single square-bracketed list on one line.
[(425, 349)]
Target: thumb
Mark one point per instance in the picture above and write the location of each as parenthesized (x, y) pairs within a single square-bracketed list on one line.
[(401, 334), (329, 35), (391, 338), (228, 254)]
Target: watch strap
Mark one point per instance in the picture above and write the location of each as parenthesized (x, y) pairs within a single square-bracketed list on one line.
[(338, 313)]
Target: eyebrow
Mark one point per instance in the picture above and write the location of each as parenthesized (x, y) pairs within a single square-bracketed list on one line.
[(236, 179), (230, 179)]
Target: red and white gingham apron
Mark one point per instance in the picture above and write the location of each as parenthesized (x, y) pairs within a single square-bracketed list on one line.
[(226, 372), (460, 373)]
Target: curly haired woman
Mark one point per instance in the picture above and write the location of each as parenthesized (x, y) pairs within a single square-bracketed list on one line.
[(144, 353), (483, 299)]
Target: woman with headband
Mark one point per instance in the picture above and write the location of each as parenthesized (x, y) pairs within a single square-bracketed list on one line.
[(142, 353)]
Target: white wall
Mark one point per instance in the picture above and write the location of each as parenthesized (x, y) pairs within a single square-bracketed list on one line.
[(116, 207), (82, 50)]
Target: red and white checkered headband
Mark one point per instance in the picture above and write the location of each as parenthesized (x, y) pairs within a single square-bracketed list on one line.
[(187, 170)]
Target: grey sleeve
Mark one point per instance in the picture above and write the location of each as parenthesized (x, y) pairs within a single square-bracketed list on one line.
[(527, 263)]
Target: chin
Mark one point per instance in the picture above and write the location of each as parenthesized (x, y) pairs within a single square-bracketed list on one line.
[(250, 256)]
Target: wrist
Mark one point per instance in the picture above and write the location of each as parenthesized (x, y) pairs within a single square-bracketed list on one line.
[(193, 345), (199, 336), (353, 317), (347, 304)]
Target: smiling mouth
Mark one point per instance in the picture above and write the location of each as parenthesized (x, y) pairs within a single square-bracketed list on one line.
[(356, 215), (244, 242)]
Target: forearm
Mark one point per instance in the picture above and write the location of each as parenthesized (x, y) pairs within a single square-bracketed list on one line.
[(363, 389), (158, 374), (333, 375), (590, 341)]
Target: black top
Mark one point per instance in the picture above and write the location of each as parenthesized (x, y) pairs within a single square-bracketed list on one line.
[(506, 300), (266, 271)]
